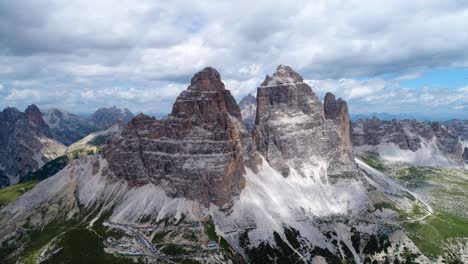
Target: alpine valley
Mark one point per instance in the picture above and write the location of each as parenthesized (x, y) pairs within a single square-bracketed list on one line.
[(281, 177)]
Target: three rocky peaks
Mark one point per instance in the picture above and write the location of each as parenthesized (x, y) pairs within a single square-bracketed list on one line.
[(202, 150)]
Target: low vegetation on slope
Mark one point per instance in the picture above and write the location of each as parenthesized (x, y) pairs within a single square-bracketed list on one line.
[(11, 193), (445, 230), (55, 165), (446, 190)]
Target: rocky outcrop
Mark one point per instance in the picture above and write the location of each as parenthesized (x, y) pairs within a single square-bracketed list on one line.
[(458, 126), (66, 127), (292, 132), (25, 143), (195, 152), (248, 106), (465, 155), (338, 110), (410, 135), (105, 117)]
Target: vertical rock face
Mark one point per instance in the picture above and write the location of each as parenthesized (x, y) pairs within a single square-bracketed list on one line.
[(248, 106), (465, 155), (25, 143), (338, 110), (196, 152), (292, 132)]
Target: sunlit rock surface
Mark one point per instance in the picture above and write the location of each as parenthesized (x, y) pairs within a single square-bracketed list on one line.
[(292, 132)]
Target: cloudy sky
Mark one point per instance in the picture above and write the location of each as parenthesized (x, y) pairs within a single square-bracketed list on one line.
[(381, 56)]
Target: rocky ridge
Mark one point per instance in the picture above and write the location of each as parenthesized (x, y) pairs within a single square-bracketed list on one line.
[(338, 110), (424, 142), (459, 126), (66, 127), (106, 117), (25, 143)]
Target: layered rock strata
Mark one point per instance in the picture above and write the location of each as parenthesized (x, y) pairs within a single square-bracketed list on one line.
[(338, 110), (292, 132), (195, 152)]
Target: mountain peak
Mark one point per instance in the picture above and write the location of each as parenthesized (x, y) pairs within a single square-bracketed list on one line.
[(205, 97), (247, 100), (283, 74), (32, 109), (35, 116), (107, 117), (207, 79), (194, 153)]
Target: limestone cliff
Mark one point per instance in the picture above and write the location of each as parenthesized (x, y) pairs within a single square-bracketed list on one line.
[(196, 152), (292, 132)]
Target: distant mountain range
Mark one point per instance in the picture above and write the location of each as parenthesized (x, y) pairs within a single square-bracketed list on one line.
[(422, 117), (30, 139), (381, 116)]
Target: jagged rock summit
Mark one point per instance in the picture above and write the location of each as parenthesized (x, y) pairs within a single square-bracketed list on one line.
[(338, 110), (283, 74), (248, 100), (195, 152), (205, 98), (292, 132)]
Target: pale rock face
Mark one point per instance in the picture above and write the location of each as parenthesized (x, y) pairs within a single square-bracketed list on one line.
[(25, 144), (106, 117), (292, 131), (421, 138), (195, 153)]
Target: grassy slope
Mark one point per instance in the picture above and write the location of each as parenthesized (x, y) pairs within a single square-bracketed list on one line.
[(447, 192), (77, 245), (11, 193), (71, 242)]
